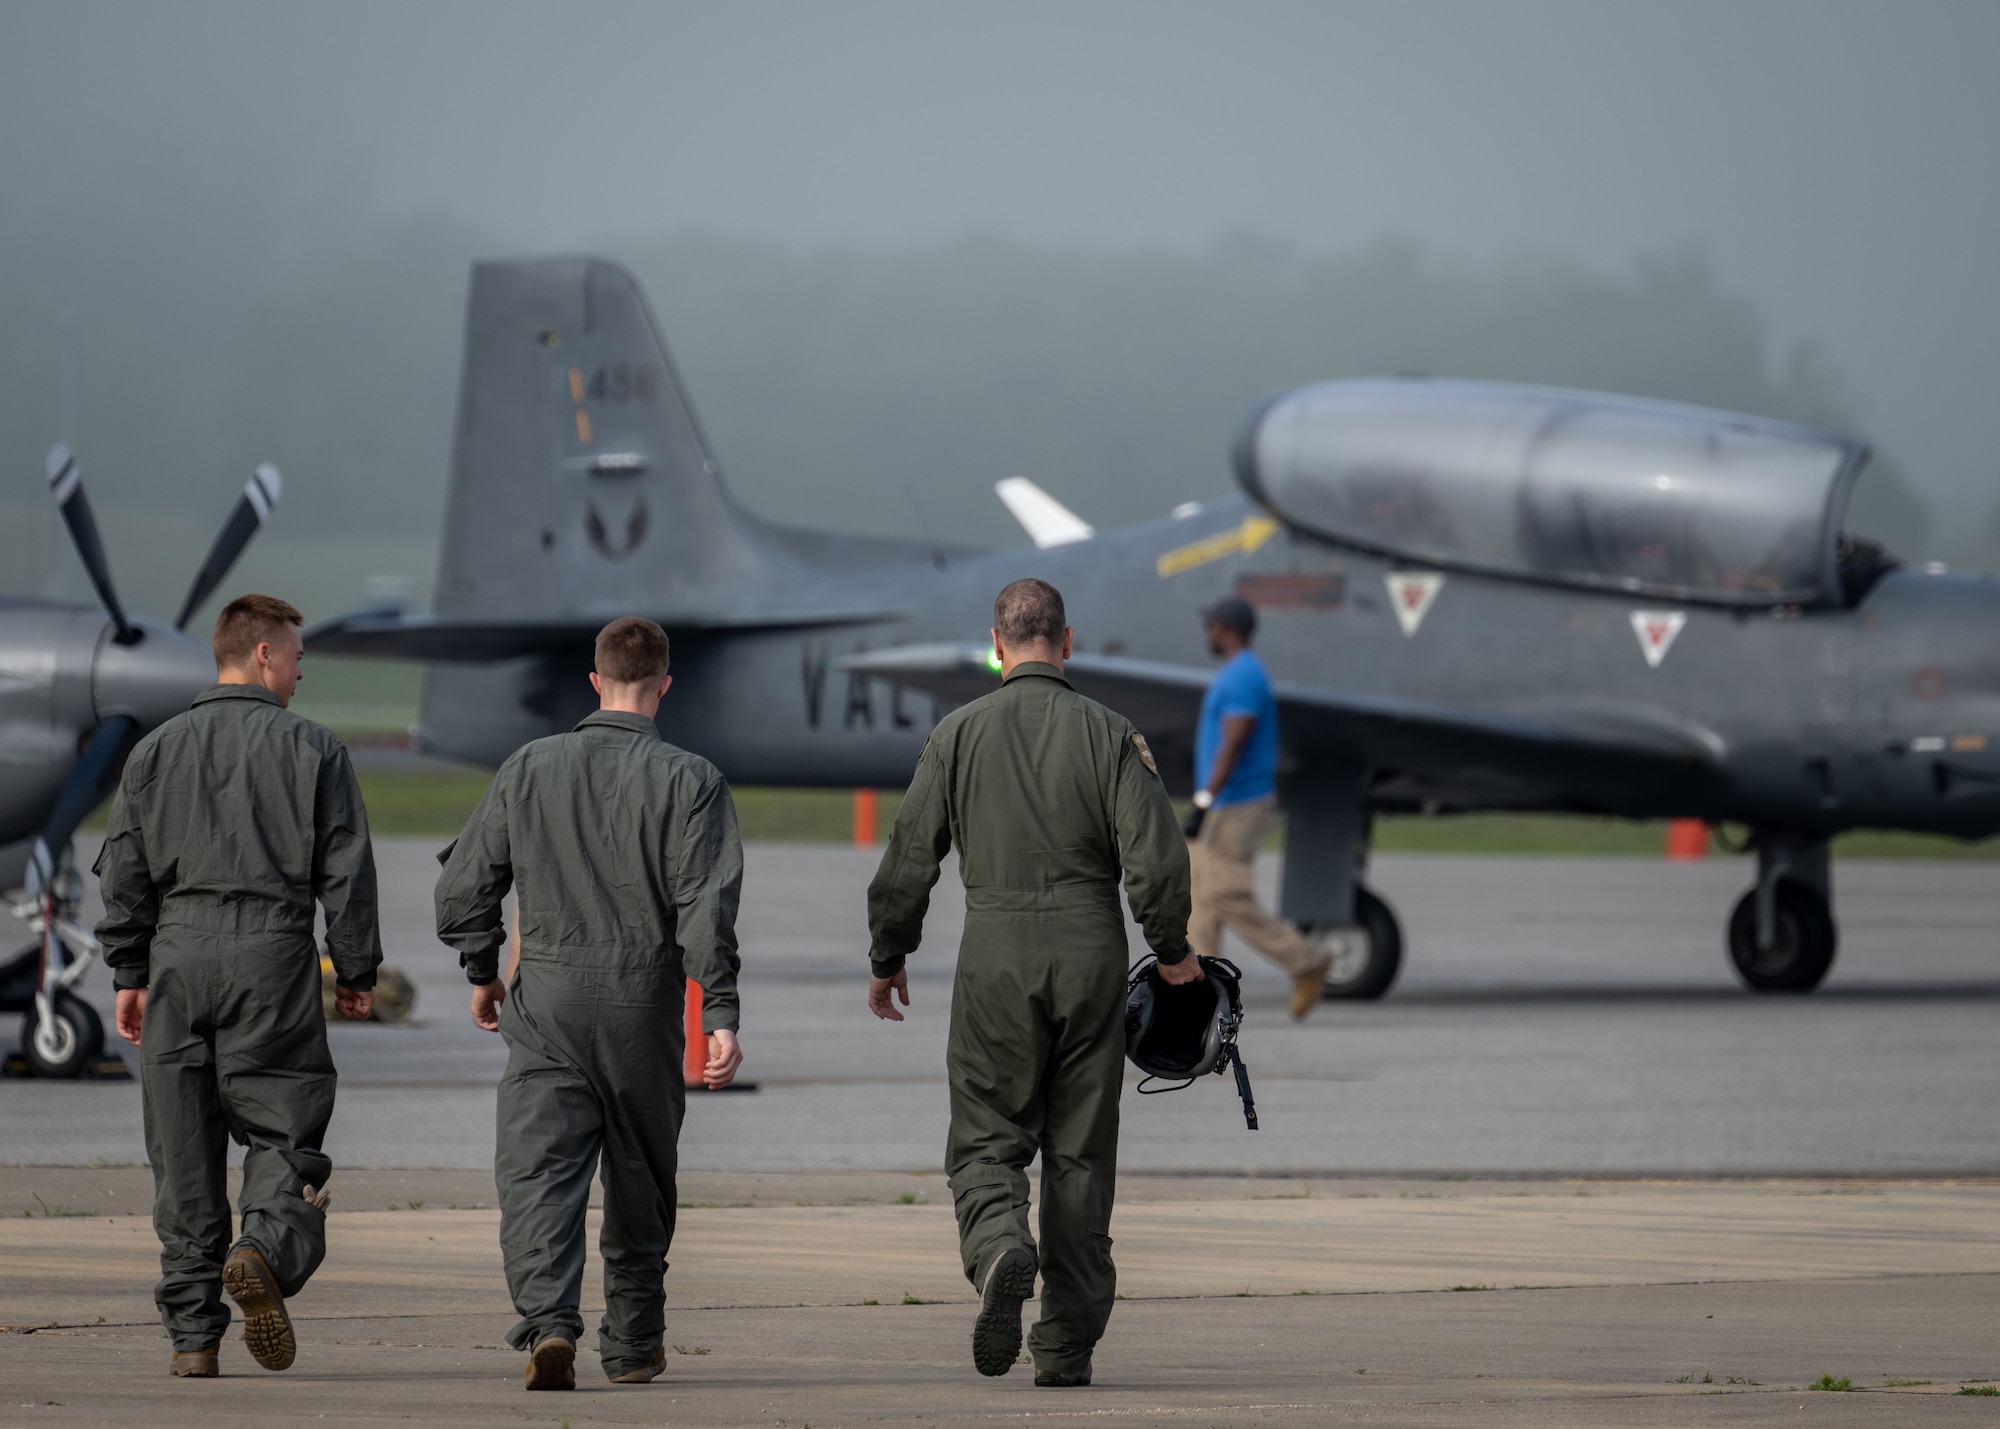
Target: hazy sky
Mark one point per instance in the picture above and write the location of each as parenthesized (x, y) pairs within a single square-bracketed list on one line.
[(1835, 160)]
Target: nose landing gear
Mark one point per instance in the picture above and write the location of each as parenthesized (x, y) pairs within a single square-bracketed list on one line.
[(1367, 953), (61, 1034), (1782, 936)]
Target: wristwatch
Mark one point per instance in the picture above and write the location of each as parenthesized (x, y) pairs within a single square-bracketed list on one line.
[(1202, 798)]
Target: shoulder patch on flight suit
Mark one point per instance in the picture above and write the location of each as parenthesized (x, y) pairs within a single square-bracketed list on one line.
[(1145, 754)]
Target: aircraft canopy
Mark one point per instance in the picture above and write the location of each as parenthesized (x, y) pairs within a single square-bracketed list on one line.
[(1581, 488)]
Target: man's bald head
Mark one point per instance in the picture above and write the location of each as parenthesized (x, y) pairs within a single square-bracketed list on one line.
[(1030, 612), (1029, 624)]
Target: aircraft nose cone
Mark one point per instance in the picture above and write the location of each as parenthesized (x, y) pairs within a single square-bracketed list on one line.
[(153, 679), (1243, 452)]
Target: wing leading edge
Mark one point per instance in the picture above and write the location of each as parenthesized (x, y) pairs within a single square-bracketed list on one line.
[(1556, 747), (395, 635)]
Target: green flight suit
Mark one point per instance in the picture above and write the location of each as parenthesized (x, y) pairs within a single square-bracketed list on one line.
[(230, 822), (1046, 796), (625, 855)]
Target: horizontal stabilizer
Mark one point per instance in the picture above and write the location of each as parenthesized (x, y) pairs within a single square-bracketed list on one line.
[(1046, 520), (1382, 730), (394, 635)]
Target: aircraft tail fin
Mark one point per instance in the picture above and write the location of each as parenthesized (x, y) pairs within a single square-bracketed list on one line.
[(581, 484), (1046, 520)]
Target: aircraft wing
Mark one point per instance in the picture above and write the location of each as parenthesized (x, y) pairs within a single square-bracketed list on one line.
[(1166, 697), (397, 635), (1388, 731)]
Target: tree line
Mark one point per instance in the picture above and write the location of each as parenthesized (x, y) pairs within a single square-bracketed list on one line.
[(857, 388)]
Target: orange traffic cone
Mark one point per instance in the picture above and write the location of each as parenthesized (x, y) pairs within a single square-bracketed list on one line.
[(864, 818), (1687, 839), (696, 1060)]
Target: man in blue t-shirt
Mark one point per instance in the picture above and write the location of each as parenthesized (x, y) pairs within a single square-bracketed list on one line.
[(1236, 764)]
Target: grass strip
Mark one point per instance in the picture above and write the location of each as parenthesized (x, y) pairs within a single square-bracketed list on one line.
[(423, 802)]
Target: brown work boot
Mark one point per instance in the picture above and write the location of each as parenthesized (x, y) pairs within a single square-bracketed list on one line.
[(267, 1329), (195, 1364), (645, 1373), (552, 1364), (1309, 987)]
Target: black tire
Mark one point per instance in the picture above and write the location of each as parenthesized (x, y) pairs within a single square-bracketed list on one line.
[(79, 1038), (1370, 977), (1802, 943)]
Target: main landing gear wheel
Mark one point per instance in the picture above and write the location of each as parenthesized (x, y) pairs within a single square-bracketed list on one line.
[(74, 1042), (1802, 940), (1367, 956)]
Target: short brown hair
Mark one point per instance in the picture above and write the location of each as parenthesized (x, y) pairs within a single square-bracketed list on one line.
[(631, 649), (247, 622), (1030, 612)]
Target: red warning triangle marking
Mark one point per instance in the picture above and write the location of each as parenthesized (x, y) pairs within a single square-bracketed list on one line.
[(1657, 630), (1410, 596)]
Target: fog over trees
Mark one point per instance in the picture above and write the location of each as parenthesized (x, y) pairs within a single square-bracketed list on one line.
[(880, 388)]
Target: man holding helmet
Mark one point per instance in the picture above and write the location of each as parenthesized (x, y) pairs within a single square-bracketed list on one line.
[(1048, 797)]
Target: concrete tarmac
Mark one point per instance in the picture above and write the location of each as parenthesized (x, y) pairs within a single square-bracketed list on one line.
[(1455, 1213), (827, 1299), (1556, 1016)]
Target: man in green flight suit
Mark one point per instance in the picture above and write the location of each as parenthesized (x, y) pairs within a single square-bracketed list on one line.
[(624, 852), (1047, 797), (231, 821)]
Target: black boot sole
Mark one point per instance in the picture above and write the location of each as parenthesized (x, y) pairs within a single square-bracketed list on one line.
[(996, 1334)]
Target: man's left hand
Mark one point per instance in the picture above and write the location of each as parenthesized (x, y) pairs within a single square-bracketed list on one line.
[(354, 1003), (724, 1057), (1187, 970)]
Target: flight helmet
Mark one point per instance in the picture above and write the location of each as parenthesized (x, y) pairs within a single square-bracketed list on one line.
[(1180, 1033)]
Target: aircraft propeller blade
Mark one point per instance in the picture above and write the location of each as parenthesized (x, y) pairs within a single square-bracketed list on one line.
[(89, 781), (66, 482), (260, 495)]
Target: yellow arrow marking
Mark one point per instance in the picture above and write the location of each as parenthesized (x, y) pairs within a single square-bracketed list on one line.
[(1254, 532)]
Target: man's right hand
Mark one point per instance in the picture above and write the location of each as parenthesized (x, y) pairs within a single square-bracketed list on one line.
[(724, 1057), (1187, 970), (131, 1014), (879, 989), (486, 1000)]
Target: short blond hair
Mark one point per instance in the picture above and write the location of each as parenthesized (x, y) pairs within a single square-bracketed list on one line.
[(631, 649), (247, 622)]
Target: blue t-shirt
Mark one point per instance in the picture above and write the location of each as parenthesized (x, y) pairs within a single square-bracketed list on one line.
[(1240, 688)]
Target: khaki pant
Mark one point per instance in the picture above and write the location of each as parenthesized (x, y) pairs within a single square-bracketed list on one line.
[(1221, 861)]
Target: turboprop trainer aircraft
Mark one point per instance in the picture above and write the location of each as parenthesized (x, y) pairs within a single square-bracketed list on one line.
[(1473, 596), (78, 686)]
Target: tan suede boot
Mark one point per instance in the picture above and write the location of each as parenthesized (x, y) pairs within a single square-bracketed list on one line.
[(1309, 988), (645, 1373), (195, 1364), (552, 1365), (267, 1328)]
